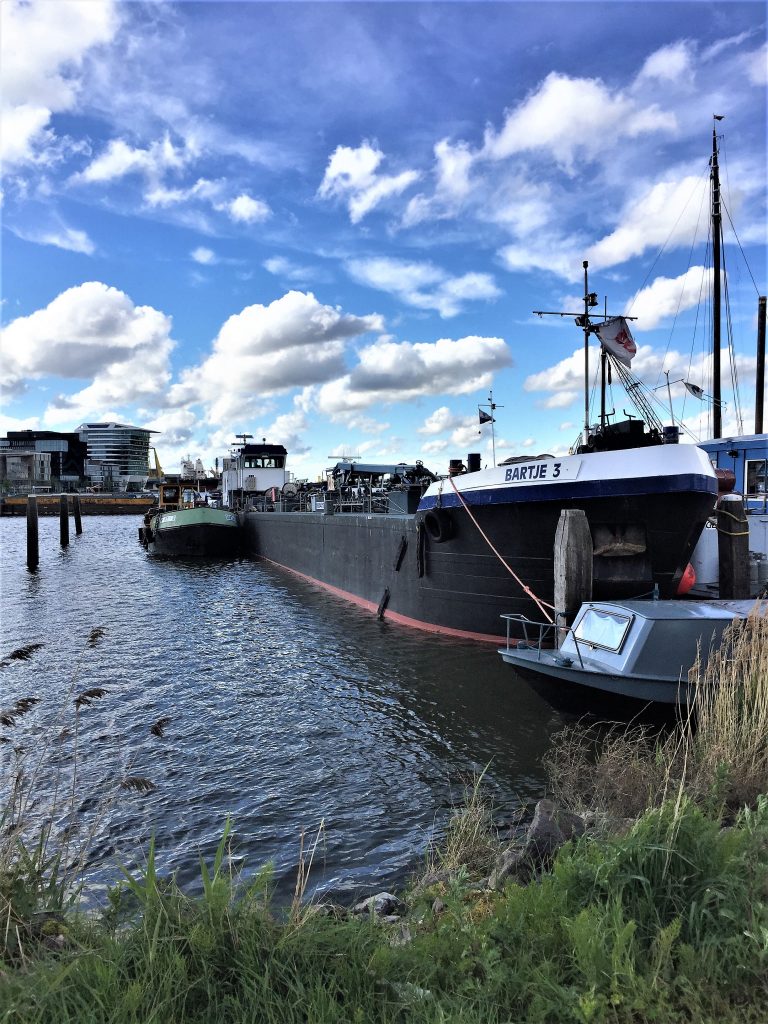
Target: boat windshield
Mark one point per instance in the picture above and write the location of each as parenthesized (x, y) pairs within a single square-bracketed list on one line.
[(601, 628)]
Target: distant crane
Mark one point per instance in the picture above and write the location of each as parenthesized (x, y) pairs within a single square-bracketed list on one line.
[(155, 473)]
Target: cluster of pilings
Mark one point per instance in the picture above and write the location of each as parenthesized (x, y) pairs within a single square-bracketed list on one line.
[(33, 537)]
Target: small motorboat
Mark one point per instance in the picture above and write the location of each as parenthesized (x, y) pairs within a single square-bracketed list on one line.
[(641, 649)]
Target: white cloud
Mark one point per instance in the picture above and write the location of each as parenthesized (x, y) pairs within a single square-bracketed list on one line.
[(667, 212), (453, 163), (669, 64), (666, 297), (120, 159), (566, 377), (350, 170), (207, 257), (91, 332), (569, 116), (390, 371), (160, 195), (13, 423), (544, 251), (60, 236), (423, 285), (757, 66), (247, 210), (22, 131), (434, 447), (560, 400), (282, 267), (293, 342), (351, 176), (439, 421), (42, 49)]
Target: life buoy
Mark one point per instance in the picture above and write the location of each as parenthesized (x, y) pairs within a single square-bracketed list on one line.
[(439, 525)]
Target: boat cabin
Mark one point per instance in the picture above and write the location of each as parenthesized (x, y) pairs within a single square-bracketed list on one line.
[(374, 476), (638, 649), (747, 458), (253, 469)]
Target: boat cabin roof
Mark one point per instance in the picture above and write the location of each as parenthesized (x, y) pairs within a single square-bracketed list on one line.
[(262, 449), (653, 639), (375, 469), (678, 610)]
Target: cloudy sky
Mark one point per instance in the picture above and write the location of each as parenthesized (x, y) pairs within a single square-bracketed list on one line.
[(328, 224)]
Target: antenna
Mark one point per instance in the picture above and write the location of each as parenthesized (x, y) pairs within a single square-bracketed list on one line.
[(492, 406), (584, 321), (344, 457), (244, 439)]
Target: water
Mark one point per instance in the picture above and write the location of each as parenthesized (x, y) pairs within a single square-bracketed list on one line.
[(288, 708)]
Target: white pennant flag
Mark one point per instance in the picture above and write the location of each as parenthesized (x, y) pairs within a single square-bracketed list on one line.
[(616, 337)]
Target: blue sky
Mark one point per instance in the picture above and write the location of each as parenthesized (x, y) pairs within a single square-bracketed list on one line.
[(328, 223)]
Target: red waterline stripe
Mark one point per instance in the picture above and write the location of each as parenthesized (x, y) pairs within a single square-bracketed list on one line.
[(403, 620)]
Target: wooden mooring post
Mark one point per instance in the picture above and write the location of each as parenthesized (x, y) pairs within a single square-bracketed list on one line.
[(33, 541), (77, 515), (733, 547), (63, 520), (573, 562)]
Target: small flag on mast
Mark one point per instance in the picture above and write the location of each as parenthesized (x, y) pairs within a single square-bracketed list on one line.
[(694, 389), (616, 337), (485, 417)]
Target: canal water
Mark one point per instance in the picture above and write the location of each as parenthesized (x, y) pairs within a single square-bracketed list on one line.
[(290, 711)]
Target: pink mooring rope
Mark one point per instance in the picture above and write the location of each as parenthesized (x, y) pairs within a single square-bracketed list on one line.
[(541, 604)]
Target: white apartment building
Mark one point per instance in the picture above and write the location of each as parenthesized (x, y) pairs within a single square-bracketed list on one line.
[(118, 453)]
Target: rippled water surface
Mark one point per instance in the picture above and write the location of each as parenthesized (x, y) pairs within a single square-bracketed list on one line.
[(288, 707)]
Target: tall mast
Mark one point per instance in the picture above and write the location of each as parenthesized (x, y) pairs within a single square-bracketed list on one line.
[(585, 264), (717, 230)]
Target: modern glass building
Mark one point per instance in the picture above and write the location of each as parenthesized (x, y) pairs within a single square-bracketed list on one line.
[(117, 452)]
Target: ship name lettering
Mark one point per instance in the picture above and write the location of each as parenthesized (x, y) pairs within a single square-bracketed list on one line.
[(536, 472)]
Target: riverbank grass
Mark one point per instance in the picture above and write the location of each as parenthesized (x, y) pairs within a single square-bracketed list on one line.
[(667, 923)]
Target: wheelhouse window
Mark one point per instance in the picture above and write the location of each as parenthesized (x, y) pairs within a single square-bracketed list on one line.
[(757, 477), (263, 461), (600, 628)]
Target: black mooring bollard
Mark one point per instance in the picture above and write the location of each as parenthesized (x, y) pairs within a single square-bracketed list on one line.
[(76, 513), (733, 547), (33, 544), (63, 520)]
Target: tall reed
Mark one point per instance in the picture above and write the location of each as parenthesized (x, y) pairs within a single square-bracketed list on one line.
[(717, 750)]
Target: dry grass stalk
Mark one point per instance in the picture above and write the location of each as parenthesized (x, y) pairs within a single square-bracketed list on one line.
[(138, 783), (299, 911), (20, 654), (470, 842)]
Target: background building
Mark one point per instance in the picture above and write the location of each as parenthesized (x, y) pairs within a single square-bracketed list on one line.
[(41, 457), (118, 454), (24, 467)]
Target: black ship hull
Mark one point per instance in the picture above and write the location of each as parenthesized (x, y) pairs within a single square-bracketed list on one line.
[(196, 541), (393, 566)]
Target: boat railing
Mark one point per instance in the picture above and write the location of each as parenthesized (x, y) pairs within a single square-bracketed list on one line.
[(541, 636)]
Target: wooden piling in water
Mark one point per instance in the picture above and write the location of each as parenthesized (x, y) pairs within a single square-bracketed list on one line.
[(63, 520), (733, 547), (33, 543), (573, 562), (76, 513)]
